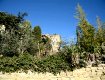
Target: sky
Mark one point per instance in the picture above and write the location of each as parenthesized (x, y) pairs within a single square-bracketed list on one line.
[(55, 16)]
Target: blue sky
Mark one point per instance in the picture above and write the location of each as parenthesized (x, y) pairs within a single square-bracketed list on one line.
[(55, 16)]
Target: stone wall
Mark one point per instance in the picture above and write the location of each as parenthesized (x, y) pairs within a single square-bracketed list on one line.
[(55, 42), (89, 73)]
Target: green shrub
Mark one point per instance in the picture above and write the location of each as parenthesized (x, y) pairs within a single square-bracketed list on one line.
[(82, 63), (12, 64), (53, 64)]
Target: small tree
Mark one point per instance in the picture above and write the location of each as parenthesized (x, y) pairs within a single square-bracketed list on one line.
[(37, 37), (9, 44), (24, 36), (10, 38)]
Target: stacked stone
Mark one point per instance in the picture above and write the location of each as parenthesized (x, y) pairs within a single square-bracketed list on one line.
[(88, 73)]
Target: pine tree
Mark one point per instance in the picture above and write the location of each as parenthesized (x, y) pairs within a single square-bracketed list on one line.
[(85, 31), (37, 33), (99, 36), (37, 37), (99, 33)]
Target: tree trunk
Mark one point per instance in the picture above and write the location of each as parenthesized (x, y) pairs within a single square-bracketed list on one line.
[(38, 50)]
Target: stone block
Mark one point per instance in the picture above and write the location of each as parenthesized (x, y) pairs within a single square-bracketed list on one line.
[(72, 78), (52, 78), (100, 68), (86, 75), (80, 72), (99, 73), (88, 69), (65, 78), (95, 78), (101, 65), (59, 78), (58, 75), (93, 73), (102, 77), (80, 78), (93, 68), (48, 74), (75, 73), (63, 74), (103, 71), (69, 73)]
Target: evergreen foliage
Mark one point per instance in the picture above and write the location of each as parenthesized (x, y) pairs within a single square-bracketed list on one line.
[(37, 33), (85, 32)]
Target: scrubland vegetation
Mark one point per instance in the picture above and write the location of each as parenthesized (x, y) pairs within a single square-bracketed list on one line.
[(23, 47)]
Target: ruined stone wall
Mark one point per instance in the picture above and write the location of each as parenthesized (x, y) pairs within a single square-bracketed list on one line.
[(55, 42), (89, 73)]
